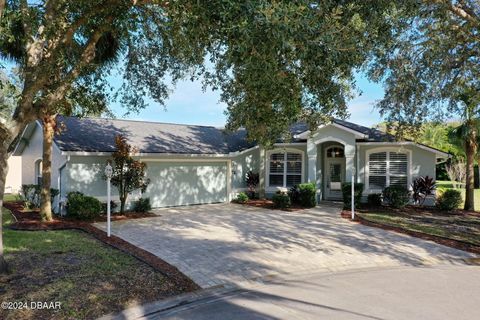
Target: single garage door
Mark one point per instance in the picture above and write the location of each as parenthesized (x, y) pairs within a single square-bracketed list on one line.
[(179, 183)]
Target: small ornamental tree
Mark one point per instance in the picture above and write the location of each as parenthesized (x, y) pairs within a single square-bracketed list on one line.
[(252, 179), (128, 173)]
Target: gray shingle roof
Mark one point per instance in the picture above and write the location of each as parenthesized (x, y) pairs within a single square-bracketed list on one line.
[(374, 135), (97, 135)]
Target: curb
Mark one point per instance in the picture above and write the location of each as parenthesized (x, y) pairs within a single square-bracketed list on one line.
[(212, 294), (150, 309)]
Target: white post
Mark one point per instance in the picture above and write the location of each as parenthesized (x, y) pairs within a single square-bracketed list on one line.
[(108, 207), (353, 193), (108, 174)]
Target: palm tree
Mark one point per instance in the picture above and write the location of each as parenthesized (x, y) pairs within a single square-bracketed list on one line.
[(468, 134)]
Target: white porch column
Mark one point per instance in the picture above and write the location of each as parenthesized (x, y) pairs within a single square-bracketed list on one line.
[(349, 161), (312, 161), (229, 181), (261, 172)]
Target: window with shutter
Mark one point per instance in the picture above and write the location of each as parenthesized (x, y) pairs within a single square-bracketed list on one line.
[(377, 166), (387, 168), (398, 169), (285, 169)]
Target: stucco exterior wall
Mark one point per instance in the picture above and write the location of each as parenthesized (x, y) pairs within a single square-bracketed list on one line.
[(241, 164), (85, 174), (14, 176), (33, 153)]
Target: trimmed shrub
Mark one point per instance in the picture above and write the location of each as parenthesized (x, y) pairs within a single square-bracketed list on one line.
[(374, 199), (252, 179), (113, 206), (303, 194), (281, 200), (82, 207), (396, 196), (53, 193), (294, 194), (307, 196), (449, 200), (142, 205), (31, 195), (242, 197), (347, 194)]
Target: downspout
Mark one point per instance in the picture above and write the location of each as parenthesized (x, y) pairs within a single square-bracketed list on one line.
[(61, 201), (357, 150)]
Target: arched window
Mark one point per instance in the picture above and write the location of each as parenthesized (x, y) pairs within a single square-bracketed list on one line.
[(285, 169), (38, 172), (335, 152)]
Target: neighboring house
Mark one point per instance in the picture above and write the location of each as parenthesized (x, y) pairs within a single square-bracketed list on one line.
[(190, 164), (13, 184)]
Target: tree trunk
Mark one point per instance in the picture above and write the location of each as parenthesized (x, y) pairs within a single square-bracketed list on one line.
[(3, 178), (123, 199), (470, 150), (45, 195)]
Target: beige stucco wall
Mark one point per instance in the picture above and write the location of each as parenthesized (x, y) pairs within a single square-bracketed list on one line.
[(14, 176), (32, 153), (241, 164)]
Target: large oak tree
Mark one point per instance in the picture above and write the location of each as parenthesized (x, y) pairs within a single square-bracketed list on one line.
[(275, 62), (58, 47)]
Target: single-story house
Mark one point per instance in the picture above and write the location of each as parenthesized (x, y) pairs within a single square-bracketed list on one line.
[(191, 164)]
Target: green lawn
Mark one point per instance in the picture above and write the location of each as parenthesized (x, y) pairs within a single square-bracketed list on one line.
[(442, 185), (463, 228), (10, 197), (88, 277)]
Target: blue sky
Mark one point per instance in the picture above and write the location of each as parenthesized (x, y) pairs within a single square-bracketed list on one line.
[(188, 104)]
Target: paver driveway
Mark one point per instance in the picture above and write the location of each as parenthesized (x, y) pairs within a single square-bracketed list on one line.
[(229, 243)]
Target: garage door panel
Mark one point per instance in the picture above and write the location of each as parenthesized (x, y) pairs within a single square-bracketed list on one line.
[(175, 184)]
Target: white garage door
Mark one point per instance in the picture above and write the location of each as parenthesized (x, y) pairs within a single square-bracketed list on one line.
[(183, 183)]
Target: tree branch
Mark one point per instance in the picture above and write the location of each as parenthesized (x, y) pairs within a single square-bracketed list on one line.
[(460, 11), (95, 10), (88, 55), (2, 9)]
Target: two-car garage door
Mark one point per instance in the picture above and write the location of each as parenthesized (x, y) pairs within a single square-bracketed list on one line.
[(179, 183)]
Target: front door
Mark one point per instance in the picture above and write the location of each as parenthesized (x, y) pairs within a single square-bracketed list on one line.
[(335, 176)]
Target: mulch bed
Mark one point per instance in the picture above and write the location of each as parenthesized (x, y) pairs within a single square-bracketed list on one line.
[(30, 221), (419, 210), (457, 244), (268, 204)]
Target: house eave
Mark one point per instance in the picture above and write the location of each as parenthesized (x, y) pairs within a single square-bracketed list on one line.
[(306, 134), (149, 155), (439, 153)]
